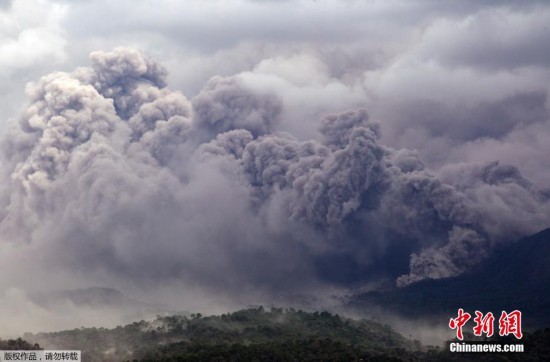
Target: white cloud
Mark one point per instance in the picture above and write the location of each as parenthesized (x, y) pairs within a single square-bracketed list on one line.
[(32, 34)]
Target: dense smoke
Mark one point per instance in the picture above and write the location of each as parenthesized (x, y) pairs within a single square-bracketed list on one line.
[(110, 174)]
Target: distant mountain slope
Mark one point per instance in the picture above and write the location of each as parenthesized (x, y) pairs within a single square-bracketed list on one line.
[(515, 277), (102, 299), (95, 297)]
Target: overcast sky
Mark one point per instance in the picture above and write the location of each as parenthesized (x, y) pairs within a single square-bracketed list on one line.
[(236, 132)]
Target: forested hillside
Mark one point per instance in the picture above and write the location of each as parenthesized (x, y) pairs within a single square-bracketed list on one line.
[(275, 334), (259, 335)]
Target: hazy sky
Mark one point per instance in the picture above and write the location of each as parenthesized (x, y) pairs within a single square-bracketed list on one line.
[(260, 148)]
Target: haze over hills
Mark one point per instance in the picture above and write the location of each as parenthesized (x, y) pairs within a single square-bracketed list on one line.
[(515, 277), (109, 300), (95, 297), (257, 334)]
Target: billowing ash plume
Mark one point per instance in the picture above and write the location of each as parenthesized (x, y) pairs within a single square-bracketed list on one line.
[(224, 105), (118, 175)]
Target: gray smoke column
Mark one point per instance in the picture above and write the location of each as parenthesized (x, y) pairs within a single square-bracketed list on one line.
[(113, 173)]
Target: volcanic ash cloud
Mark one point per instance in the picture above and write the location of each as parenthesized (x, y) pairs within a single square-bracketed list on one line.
[(108, 172)]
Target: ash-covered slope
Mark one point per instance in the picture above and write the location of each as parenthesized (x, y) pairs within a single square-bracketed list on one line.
[(514, 277)]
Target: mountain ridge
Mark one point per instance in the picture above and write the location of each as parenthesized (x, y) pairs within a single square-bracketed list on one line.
[(516, 276)]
